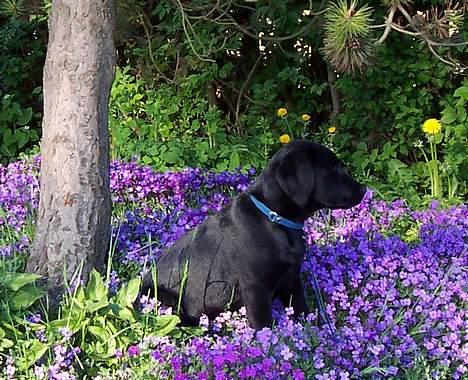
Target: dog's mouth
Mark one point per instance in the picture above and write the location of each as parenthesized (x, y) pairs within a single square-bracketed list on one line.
[(349, 202), (344, 206)]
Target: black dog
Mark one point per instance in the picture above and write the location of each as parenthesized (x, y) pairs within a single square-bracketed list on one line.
[(246, 256)]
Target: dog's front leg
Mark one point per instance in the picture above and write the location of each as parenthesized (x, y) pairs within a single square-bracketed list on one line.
[(257, 301), (294, 297)]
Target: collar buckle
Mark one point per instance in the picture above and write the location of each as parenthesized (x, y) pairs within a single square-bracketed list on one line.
[(274, 217)]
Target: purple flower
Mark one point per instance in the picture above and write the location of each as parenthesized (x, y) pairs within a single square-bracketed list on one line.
[(392, 279), (133, 351), (118, 353)]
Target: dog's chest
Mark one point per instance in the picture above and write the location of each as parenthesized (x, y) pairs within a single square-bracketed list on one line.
[(293, 248)]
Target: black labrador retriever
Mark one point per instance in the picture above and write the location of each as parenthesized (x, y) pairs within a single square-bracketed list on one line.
[(251, 252)]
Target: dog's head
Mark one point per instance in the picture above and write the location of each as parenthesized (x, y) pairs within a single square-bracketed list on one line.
[(312, 177)]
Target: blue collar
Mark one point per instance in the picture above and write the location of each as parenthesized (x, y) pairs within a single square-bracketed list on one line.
[(274, 217)]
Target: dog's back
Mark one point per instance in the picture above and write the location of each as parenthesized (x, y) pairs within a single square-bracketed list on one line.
[(195, 269)]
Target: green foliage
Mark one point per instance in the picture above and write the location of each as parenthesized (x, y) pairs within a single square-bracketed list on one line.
[(103, 323), (21, 60), (455, 121), (382, 116), (172, 126), (18, 291), (11, 8), (15, 131), (91, 318), (199, 82)]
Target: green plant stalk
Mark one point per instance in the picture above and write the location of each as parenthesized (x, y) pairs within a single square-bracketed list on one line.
[(288, 127), (435, 191), (210, 139), (438, 192), (183, 283), (429, 168)]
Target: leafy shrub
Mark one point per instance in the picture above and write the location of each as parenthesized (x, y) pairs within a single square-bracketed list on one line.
[(103, 324), (383, 114), (455, 122), (91, 319), (17, 293), (173, 126), (21, 61), (15, 131), (197, 91)]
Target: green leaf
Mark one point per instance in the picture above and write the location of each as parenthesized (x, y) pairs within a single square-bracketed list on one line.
[(25, 297), (372, 370), (128, 293), (166, 323), (34, 350), (6, 343), (14, 281), (122, 312), (448, 115), (461, 92), (133, 288), (65, 323), (95, 289), (100, 333), (22, 138), (94, 306), (361, 146), (8, 138), (234, 160), (77, 303), (25, 117), (461, 111)]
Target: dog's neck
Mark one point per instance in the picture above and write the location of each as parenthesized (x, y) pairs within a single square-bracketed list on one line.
[(279, 202)]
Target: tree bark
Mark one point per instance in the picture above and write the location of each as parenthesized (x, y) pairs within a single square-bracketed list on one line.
[(73, 223), (335, 96)]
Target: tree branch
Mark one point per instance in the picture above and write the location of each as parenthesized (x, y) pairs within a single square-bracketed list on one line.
[(189, 39), (404, 31), (438, 56), (388, 26)]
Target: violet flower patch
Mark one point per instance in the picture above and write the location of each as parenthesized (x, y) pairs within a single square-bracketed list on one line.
[(394, 281)]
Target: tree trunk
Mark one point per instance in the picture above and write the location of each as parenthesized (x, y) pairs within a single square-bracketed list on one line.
[(73, 223)]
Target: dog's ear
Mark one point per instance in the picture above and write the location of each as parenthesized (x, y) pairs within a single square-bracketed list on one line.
[(295, 176)]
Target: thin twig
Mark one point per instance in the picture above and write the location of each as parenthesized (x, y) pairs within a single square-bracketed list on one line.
[(404, 31), (406, 15), (388, 26), (451, 63), (266, 38), (244, 86), (331, 76), (446, 44), (177, 66), (189, 40), (150, 53)]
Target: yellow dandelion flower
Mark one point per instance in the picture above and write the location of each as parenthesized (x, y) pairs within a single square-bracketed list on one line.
[(285, 139), (432, 126), (305, 117), (281, 112), (332, 130)]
